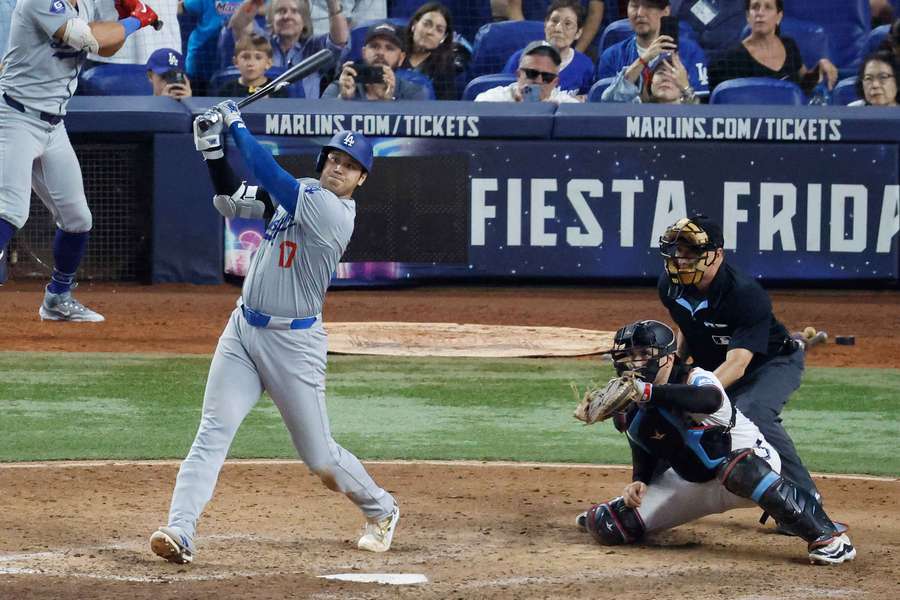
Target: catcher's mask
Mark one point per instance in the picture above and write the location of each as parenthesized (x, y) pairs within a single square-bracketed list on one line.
[(640, 346), (689, 247)]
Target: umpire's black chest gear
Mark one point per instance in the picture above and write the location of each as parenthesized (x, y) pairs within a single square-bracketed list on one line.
[(693, 451), (735, 312)]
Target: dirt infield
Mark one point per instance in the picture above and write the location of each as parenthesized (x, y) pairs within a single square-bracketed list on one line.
[(475, 531)]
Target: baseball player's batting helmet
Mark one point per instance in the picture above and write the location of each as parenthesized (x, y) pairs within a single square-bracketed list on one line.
[(694, 242), (353, 143), (639, 347)]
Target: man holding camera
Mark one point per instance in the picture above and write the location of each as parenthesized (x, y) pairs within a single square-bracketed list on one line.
[(375, 77), (537, 78), (655, 33), (165, 70)]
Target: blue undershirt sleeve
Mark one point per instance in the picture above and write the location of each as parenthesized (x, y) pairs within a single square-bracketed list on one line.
[(281, 185)]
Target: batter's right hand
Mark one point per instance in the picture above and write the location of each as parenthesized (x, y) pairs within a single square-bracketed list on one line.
[(634, 493), (208, 134), (230, 112)]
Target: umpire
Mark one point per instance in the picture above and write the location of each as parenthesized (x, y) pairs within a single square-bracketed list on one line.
[(726, 325)]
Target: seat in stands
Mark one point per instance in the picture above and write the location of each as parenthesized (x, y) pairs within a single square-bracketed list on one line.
[(496, 42), (111, 79), (758, 90), (844, 92), (847, 23), (294, 90), (598, 88), (485, 82), (418, 78)]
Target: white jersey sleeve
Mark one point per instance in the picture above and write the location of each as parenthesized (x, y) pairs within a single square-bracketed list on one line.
[(49, 15)]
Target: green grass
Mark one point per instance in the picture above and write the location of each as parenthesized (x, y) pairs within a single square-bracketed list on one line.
[(79, 406)]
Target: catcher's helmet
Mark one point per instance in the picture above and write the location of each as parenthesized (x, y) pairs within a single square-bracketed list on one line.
[(694, 242), (353, 143), (639, 347)]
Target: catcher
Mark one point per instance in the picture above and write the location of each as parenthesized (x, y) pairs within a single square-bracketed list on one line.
[(717, 459)]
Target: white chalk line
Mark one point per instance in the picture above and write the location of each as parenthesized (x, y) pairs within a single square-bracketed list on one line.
[(80, 464)]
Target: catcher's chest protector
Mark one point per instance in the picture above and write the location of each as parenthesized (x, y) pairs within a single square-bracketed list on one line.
[(693, 451)]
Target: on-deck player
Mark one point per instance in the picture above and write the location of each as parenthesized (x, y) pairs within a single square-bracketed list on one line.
[(275, 340), (718, 460), (48, 42)]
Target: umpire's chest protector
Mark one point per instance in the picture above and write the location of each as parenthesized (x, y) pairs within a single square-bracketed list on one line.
[(694, 451)]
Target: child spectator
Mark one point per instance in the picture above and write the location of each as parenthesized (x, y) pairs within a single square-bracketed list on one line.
[(252, 57), (563, 27)]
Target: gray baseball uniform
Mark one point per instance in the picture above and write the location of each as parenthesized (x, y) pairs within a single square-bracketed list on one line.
[(39, 77), (275, 341)]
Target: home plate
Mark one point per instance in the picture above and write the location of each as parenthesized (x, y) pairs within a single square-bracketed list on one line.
[(389, 578)]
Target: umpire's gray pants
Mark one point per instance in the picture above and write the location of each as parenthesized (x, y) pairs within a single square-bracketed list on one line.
[(761, 396), (290, 365)]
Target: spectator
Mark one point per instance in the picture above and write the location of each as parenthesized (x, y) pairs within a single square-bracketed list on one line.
[(646, 44), (375, 79), (876, 83), (563, 26), (165, 70), (669, 84), (429, 39), (892, 42), (252, 57), (291, 33), (590, 24), (764, 53), (140, 45), (716, 26), (536, 78), (356, 12), (200, 54)]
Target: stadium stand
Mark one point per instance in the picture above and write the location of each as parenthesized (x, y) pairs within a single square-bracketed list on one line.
[(598, 88), (111, 79), (614, 33), (485, 82), (468, 15), (496, 42), (844, 92), (874, 39), (757, 90), (847, 22)]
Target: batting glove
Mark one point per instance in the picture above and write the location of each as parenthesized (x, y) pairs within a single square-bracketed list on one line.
[(208, 134), (230, 112)]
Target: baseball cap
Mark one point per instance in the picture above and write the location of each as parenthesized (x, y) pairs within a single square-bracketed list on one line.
[(660, 4), (164, 60), (386, 30), (543, 47), (713, 230)]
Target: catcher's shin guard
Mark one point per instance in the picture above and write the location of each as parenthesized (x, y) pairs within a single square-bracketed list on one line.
[(612, 523), (747, 475)]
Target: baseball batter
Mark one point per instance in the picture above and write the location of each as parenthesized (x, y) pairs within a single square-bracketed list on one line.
[(717, 458), (275, 340), (48, 42)]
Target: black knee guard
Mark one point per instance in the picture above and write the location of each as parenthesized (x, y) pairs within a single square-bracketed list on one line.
[(747, 475), (613, 523)]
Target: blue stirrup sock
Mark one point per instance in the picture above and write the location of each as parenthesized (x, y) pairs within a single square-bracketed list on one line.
[(7, 230), (68, 248)]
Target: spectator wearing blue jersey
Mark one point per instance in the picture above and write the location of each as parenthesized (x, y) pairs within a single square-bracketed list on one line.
[(200, 57), (593, 19), (646, 44), (715, 24), (563, 27)]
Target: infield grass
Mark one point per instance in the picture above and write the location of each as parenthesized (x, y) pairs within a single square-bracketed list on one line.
[(104, 406)]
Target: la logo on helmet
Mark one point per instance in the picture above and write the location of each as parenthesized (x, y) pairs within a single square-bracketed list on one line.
[(348, 140)]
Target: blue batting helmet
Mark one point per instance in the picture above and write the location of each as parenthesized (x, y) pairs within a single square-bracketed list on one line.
[(353, 143)]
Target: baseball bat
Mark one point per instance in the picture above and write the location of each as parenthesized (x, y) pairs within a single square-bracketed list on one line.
[(317, 61)]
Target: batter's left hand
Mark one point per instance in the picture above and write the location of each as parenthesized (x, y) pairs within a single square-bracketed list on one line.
[(230, 112)]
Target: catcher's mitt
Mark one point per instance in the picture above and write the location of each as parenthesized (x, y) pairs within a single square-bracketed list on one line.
[(599, 404)]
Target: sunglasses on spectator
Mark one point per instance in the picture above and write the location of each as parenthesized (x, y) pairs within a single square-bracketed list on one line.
[(881, 77), (534, 74)]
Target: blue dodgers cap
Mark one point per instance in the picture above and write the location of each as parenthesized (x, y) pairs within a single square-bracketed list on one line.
[(164, 60), (353, 143)]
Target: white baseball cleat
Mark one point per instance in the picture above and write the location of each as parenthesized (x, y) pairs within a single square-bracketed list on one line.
[(64, 307), (379, 535), (834, 553), (169, 543)]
